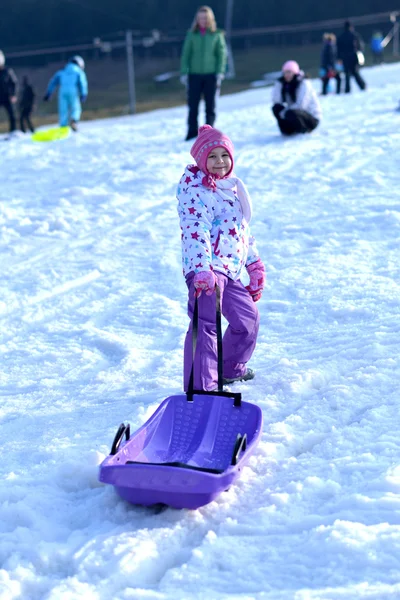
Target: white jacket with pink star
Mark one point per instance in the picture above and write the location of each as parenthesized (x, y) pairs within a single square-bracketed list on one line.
[(215, 225)]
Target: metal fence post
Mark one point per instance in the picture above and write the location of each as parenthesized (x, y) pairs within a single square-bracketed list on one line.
[(131, 72), (228, 28), (396, 39)]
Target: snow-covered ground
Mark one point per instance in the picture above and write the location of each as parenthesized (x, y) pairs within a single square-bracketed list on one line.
[(93, 313)]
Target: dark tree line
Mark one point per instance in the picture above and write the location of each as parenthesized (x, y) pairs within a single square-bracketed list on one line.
[(51, 22)]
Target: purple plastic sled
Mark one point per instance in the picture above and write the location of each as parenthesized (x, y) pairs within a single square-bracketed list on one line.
[(189, 451)]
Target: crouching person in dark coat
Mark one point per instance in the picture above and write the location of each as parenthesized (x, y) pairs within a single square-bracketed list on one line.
[(294, 101), (26, 103)]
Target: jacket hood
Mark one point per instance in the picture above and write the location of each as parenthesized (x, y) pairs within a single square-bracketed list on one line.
[(72, 67), (193, 177), (298, 78)]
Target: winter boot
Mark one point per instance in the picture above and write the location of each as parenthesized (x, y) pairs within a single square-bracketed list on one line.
[(249, 374), (191, 135)]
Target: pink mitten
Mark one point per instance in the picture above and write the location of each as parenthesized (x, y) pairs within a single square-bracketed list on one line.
[(205, 280), (258, 277)]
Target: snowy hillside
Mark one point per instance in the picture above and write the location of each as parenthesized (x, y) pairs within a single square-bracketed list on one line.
[(93, 313)]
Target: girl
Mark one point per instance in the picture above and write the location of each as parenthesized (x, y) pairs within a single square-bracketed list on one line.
[(215, 210), (202, 66), (294, 101), (329, 63)]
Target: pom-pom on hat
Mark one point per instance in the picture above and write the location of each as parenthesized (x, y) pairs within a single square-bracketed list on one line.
[(208, 139), (292, 66)]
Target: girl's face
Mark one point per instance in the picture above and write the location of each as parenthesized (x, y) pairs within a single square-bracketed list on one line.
[(202, 19), (219, 162), (288, 75)]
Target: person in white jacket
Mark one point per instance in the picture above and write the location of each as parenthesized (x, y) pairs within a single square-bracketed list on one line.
[(215, 210), (294, 101)]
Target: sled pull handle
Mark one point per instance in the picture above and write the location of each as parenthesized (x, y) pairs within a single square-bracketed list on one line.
[(219, 337), (240, 446), (237, 396), (122, 429)]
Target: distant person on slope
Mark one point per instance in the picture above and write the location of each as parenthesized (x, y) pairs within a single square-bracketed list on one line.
[(8, 91), (329, 63), (377, 48), (214, 208), (294, 101), (203, 65), (349, 45), (73, 90), (26, 103)]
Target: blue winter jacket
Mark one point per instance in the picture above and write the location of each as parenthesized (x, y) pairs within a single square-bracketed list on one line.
[(71, 80), (376, 44)]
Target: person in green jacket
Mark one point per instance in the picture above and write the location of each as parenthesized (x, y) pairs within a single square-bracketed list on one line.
[(203, 65)]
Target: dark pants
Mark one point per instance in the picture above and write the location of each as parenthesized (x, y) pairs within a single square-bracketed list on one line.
[(377, 58), (198, 86), (25, 117), (10, 113), (352, 70), (239, 340), (294, 121), (325, 83)]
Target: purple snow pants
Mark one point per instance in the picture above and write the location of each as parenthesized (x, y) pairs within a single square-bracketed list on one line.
[(239, 340)]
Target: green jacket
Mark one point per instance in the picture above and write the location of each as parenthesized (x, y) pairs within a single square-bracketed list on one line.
[(204, 54)]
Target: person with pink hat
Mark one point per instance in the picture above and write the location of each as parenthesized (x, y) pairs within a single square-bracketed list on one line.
[(215, 210), (295, 103)]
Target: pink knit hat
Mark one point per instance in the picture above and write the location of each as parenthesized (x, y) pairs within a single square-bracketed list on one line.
[(291, 65), (208, 139)]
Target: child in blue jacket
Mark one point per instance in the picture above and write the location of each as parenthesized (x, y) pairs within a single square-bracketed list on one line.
[(377, 48), (73, 89)]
